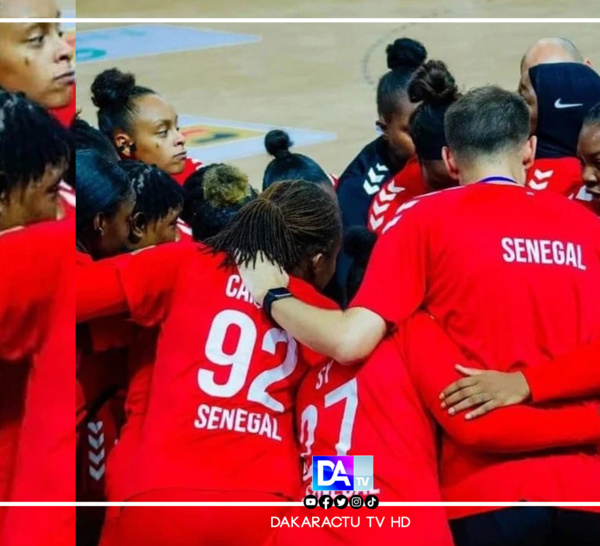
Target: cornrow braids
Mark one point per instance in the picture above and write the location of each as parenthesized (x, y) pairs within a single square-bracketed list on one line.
[(156, 192), (290, 221), (31, 141)]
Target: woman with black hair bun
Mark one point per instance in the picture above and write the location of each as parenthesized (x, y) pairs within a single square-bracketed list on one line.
[(387, 155), (287, 165), (434, 89), (140, 123)]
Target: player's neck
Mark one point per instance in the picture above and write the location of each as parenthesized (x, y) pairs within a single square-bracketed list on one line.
[(477, 171)]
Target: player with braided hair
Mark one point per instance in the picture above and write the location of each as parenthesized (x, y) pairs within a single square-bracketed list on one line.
[(181, 456)]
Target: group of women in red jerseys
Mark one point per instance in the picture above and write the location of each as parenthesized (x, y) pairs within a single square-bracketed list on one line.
[(184, 387), (190, 352)]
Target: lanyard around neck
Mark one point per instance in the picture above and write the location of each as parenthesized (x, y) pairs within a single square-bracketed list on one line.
[(491, 179)]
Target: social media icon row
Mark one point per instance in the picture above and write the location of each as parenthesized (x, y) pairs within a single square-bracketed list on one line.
[(341, 501)]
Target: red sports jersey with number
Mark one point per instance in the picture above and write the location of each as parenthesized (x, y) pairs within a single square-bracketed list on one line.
[(370, 409), (509, 290), (191, 166), (220, 406), (404, 186)]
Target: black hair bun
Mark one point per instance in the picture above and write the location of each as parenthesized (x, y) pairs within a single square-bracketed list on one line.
[(112, 88), (278, 143), (432, 83), (359, 243), (405, 53)]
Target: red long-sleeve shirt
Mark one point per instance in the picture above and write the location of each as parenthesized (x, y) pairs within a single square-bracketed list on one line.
[(506, 291), (514, 453), (572, 375)]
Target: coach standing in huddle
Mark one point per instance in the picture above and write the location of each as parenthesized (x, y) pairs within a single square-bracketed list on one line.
[(444, 252)]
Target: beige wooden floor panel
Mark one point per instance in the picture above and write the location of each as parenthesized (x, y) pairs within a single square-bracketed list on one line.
[(322, 76), (337, 8)]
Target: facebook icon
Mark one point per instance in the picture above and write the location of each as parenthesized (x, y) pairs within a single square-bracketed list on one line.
[(342, 473)]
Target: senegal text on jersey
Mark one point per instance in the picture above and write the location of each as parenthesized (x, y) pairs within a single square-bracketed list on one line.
[(237, 419), (543, 251)]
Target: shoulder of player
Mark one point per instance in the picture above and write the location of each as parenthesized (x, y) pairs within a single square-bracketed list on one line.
[(52, 235), (309, 294), (555, 199), (428, 202)]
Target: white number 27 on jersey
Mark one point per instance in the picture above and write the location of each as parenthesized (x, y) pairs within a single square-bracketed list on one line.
[(240, 358), (347, 393)]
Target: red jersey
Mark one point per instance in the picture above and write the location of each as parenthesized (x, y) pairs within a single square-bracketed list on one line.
[(370, 409), (498, 270), (101, 373), (40, 302), (15, 351), (492, 283), (562, 175), (573, 375), (191, 166), (340, 411), (100, 384), (220, 406), (404, 186), (478, 461)]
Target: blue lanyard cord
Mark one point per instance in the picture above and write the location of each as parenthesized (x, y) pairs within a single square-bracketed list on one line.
[(497, 179)]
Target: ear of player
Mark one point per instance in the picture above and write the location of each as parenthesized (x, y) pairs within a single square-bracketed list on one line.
[(341, 501)]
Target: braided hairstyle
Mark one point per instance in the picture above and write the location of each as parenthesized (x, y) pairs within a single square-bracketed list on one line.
[(289, 222), (31, 141), (156, 192)]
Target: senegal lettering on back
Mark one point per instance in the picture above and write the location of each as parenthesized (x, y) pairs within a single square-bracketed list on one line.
[(543, 252)]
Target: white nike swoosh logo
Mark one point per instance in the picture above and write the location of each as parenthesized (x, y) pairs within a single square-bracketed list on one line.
[(558, 104)]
